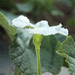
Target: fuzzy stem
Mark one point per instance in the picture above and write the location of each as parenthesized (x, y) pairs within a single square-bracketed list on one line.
[(37, 43), (17, 72), (38, 61)]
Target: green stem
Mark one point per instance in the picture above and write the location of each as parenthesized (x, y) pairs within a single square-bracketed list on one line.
[(38, 61), (17, 72), (37, 42)]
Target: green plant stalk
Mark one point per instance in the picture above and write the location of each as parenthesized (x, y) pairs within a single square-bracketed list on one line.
[(17, 72), (37, 43), (38, 61)]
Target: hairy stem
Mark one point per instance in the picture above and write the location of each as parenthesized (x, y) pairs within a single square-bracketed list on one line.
[(38, 61), (37, 42), (17, 72)]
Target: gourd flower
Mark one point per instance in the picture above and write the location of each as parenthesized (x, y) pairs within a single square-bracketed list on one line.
[(38, 29), (41, 27)]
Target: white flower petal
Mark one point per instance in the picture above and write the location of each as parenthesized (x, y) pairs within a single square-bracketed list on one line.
[(21, 21), (61, 30), (42, 23), (52, 30)]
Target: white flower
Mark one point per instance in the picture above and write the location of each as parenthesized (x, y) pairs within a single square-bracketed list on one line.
[(43, 28), (21, 21)]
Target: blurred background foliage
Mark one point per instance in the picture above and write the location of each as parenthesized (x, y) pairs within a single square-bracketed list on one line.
[(54, 11)]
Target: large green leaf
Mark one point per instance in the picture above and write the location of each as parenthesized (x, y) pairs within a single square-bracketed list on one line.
[(49, 58), (10, 30), (67, 50), (25, 59)]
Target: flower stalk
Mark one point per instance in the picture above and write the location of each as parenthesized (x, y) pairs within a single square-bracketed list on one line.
[(17, 72), (37, 43), (38, 62)]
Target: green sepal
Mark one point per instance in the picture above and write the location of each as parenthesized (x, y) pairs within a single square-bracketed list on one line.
[(28, 27), (37, 40)]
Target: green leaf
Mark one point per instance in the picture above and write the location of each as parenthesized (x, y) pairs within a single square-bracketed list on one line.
[(10, 30), (67, 50), (26, 61), (54, 60), (60, 37), (50, 60)]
